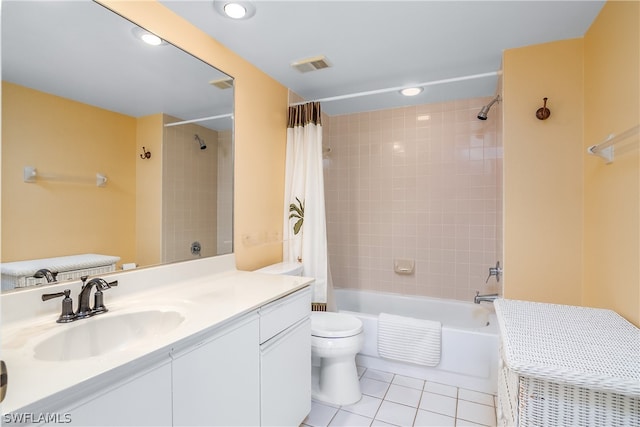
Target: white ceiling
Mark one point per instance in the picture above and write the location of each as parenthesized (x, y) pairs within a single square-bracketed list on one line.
[(69, 48), (80, 50), (381, 44)]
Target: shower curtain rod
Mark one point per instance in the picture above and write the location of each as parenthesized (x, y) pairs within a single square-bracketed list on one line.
[(203, 119), (398, 88)]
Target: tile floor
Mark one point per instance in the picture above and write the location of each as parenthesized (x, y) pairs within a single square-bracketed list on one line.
[(394, 400)]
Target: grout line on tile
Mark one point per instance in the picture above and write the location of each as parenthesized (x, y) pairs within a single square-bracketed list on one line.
[(334, 415), (457, 401)]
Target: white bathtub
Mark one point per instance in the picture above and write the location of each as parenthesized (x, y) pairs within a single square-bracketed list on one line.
[(469, 357)]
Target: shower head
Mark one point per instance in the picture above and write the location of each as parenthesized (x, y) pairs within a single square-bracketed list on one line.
[(201, 142), (482, 115)]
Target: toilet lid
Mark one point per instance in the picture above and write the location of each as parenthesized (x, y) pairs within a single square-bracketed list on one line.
[(334, 325)]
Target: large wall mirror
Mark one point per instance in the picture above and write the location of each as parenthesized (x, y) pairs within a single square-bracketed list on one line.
[(110, 146)]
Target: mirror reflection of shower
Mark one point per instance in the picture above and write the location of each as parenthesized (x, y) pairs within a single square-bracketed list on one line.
[(200, 141), (482, 115)]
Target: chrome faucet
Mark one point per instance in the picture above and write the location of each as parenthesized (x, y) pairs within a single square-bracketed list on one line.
[(488, 297), (50, 276), (84, 310)]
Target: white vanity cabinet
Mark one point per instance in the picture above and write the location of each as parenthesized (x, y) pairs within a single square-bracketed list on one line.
[(216, 382), (285, 360), (239, 356), (143, 400), (255, 371)]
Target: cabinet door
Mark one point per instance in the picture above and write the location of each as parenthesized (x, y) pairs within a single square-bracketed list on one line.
[(143, 401), (285, 373), (217, 383)]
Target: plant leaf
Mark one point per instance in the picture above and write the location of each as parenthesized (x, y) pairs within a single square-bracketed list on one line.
[(297, 212), (294, 208)]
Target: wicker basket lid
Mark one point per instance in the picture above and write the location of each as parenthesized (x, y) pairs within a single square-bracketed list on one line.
[(581, 346)]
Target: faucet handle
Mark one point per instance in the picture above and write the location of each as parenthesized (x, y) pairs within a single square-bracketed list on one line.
[(98, 301), (67, 314), (66, 293), (111, 284), (494, 271)]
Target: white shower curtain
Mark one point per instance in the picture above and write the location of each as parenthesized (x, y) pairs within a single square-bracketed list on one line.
[(304, 197)]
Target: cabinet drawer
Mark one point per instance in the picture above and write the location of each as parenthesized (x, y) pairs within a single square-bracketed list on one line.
[(280, 314), (285, 377)]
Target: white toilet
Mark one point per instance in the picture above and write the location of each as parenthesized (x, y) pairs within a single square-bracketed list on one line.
[(336, 338), (284, 268)]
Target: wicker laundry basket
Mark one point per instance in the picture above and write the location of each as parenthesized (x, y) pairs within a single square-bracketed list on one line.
[(567, 366)]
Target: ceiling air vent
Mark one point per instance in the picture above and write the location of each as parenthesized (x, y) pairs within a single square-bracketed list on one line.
[(224, 83), (311, 64)]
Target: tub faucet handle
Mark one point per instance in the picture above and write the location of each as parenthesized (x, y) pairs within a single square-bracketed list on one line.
[(494, 271)]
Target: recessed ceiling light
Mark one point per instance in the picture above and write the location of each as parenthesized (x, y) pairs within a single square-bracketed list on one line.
[(235, 9), (147, 37), (411, 91), (151, 39)]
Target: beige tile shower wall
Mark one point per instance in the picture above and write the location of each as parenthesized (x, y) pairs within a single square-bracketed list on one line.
[(423, 183), (225, 192), (189, 202)]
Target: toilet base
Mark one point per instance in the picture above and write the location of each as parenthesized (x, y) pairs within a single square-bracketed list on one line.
[(336, 381)]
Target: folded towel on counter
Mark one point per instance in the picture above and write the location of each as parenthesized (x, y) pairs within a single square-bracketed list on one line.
[(409, 340)]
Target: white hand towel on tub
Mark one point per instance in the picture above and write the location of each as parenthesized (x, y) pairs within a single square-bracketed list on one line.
[(409, 340)]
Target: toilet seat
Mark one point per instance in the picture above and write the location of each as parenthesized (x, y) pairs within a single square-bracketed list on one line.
[(334, 325)]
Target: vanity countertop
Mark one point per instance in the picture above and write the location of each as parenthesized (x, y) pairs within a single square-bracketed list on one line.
[(207, 294)]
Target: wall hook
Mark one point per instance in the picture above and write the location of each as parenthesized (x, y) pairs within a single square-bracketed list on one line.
[(543, 113), (145, 154)]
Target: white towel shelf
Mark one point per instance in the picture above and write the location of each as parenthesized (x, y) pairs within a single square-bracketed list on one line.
[(606, 148), (31, 175)]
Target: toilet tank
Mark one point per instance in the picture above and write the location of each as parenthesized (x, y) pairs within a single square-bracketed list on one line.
[(283, 268)]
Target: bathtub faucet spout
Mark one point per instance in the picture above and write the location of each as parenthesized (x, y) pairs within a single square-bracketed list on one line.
[(489, 297)]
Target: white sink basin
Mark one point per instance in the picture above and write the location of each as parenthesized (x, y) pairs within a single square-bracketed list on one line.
[(105, 333)]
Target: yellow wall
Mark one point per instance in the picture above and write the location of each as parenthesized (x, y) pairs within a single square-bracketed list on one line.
[(148, 201), (53, 218), (260, 132), (612, 192), (572, 223), (543, 172)]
